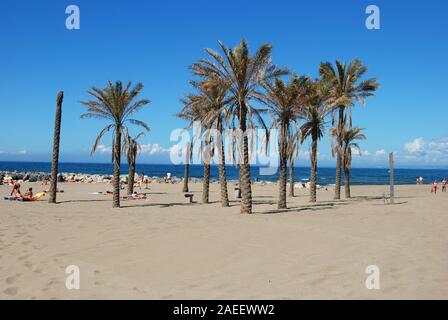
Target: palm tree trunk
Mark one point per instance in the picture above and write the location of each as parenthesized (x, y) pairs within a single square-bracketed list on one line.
[(313, 178), (246, 187), (187, 170), (291, 177), (337, 187), (56, 141), (131, 175), (206, 183), (347, 182), (222, 171), (282, 178), (116, 178)]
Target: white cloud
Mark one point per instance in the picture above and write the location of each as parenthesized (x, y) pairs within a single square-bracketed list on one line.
[(103, 149), (154, 148), (438, 146), (380, 153), (22, 152), (415, 146), (358, 152), (150, 148), (418, 152)]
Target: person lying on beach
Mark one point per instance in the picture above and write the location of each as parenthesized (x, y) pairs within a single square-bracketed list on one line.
[(15, 192), (9, 181), (57, 190), (135, 196)]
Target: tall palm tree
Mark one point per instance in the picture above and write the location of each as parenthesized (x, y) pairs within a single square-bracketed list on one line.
[(214, 97), (293, 152), (195, 110), (314, 111), (349, 138), (244, 73), (116, 104), (188, 156), (346, 88), (282, 100), (56, 140), (131, 148)]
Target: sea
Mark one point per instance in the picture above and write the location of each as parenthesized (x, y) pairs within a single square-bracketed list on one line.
[(358, 176)]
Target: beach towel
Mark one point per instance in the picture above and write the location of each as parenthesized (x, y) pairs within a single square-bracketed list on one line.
[(39, 195)]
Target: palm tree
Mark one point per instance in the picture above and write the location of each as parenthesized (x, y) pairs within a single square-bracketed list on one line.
[(213, 94), (346, 88), (131, 147), (314, 111), (195, 110), (293, 151), (56, 139), (349, 138), (244, 74), (188, 156), (282, 100), (116, 104)]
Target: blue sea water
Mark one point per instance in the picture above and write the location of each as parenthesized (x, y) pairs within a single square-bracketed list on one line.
[(325, 175)]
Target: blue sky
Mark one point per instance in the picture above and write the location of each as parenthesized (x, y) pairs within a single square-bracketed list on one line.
[(154, 42)]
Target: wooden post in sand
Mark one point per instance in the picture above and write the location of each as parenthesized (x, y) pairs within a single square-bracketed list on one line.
[(56, 139), (391, 175)]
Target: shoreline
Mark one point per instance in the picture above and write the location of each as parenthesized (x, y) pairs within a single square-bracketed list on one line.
[(40, 176)]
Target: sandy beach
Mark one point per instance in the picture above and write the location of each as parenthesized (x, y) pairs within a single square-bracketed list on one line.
[(163, 248)]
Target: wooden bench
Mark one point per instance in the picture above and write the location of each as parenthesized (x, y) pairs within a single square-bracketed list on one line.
[(237, 193), (188, 197)]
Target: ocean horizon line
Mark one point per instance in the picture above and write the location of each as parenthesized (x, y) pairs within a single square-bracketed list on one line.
[(217, 165)]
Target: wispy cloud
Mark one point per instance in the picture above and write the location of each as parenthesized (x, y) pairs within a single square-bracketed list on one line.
[(153, 148), (415, 146), (433, 153), (103, 149)]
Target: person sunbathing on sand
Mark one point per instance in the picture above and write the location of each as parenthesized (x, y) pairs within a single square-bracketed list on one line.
[(29, 194), (135, 196)]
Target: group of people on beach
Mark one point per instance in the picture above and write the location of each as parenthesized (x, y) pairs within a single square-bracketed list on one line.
[(15, 192), (140, 181), (435, 184)]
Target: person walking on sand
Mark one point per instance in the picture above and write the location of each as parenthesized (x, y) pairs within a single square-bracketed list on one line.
[(434, 186), (444, 185)]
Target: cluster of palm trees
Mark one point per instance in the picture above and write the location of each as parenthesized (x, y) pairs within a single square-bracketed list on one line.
[(236, 89)]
